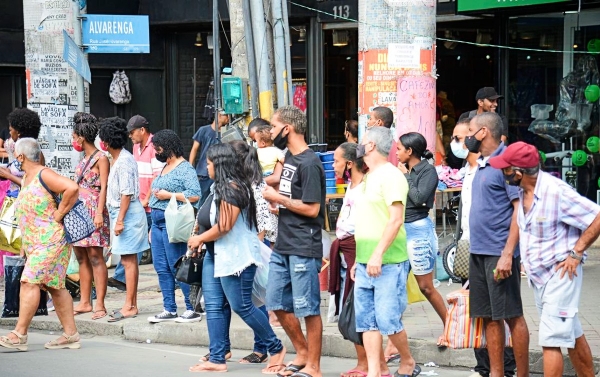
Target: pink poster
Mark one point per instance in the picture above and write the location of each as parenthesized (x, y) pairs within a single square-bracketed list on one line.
[(416, 108)]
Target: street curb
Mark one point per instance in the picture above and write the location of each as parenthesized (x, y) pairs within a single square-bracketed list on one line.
[(242, 338)]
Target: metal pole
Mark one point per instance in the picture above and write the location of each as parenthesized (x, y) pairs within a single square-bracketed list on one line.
[(216, 65), (251, 56), (194, 98), (288, 54), (279, 46), (77, 37), (261, 46)]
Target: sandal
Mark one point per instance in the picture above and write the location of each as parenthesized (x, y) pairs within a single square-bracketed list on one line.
[(71, 343), (254, 358), (6, 342), (207, 356)]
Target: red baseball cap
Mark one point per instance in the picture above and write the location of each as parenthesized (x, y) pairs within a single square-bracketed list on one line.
[(519, 154)]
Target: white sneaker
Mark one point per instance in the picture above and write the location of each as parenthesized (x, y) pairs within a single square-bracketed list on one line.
[(189, 316), (163, 317)]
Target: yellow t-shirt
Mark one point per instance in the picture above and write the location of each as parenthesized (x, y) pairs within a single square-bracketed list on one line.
[(381, 188), (269, 157)]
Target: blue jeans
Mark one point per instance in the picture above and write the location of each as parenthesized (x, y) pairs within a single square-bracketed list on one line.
[(205, 184), (233, 292), (120, 270), (422, 246), (164, 256)]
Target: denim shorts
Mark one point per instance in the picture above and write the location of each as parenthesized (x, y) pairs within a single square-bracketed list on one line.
[(422, 245), (293, 284), (558, 303), (377, 306)]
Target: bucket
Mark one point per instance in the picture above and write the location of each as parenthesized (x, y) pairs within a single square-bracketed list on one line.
[(324, 279)]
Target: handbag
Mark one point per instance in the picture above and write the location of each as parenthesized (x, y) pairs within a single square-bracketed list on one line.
[(179, 220), (460, 267), (77, 222), (10, 234), (412, 289), (189, 269), (462, 331), (347, 321), (13, 269)]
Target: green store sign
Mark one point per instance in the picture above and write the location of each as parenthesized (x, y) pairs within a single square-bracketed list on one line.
[(471, 5)]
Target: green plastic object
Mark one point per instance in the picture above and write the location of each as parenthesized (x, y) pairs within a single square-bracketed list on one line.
[(592, 93), (579, 158), (598, 182), (235, 95), (543, 157), (593, 144), (594, 45)]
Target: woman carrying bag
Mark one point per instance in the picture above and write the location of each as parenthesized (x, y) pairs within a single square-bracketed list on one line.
[(178, 178)]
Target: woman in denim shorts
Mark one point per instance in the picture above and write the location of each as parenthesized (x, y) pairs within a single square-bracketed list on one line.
[(421, 239)]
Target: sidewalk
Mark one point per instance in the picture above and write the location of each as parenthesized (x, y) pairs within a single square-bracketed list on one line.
[(420, 320)]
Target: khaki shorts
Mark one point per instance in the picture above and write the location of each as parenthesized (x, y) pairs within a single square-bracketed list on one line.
[(558, 303)]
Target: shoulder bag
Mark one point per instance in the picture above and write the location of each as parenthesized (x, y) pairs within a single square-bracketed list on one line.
[(461, 257), (189, 269), (78, 223)]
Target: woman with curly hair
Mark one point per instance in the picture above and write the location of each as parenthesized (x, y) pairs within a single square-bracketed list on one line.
[(178, 178), (127, 216), (22, 122), (92, 177), (227, 223)]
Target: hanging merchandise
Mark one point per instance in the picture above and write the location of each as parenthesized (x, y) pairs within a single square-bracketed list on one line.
[(593, 45), (592, 93), (300, 95), (119, 88), (579, 158), (593, 144)]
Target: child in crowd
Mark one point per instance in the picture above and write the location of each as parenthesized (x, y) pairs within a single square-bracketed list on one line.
[(268, 155)]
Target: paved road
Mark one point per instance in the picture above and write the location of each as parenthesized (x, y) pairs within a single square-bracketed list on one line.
[(112, 356)]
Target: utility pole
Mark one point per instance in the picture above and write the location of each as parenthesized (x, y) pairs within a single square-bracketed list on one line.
[(53, 87), (261, 47), (280, 55), (397, 64), (216, 64)]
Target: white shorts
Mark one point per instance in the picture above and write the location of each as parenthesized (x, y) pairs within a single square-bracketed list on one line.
[(558, 303)]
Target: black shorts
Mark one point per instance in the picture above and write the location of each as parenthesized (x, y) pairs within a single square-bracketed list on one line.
[(494, 299)]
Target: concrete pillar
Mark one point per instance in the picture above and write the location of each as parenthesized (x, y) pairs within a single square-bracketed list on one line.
[(51, 82), (397, 64)]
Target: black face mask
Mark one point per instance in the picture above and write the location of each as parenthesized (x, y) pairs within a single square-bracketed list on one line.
[(360, 151), (472, 143), (280, 141), (162, 157), (510, 179)]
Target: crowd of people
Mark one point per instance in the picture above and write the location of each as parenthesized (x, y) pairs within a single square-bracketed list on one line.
[(251, 197)]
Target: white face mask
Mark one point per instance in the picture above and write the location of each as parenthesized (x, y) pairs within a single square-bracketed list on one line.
[(458, 149)]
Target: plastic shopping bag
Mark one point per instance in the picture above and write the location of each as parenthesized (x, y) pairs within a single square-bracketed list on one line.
[(13, 268), (179, 220), (347, 321), (10, 234), (259, 288), (412, 289)]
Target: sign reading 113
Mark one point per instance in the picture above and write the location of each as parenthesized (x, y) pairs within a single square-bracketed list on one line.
[(341, 11)]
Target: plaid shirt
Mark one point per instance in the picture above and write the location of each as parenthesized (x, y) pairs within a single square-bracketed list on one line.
[(550, 229)]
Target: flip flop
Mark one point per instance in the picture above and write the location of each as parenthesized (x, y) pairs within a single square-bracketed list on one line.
[(360, 373), (395, 357), (272, 366), (291, 368), (95, 317), (254, 358), (301, 374), (415, 373), (118, 316), (77, 312)]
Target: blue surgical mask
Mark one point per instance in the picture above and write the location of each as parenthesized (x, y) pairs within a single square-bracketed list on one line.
[(458, 149)]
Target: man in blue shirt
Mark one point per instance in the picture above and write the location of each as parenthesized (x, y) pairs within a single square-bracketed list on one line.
[(494, 275), (203, 139)]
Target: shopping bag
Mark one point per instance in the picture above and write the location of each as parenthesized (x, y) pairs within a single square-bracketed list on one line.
[(412, 289), (461, 331), (179, 220), (10, 234), (73, 267), (13, 268), (259, 287), (347, 321)]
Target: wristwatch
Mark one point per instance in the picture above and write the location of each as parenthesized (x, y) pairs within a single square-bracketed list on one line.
[(574, 255)]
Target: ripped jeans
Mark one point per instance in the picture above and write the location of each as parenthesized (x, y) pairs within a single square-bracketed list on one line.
[(294, 285), (422, 245)]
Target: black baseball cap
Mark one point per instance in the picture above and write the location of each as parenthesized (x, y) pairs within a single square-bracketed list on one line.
[(136, 121), (487, 93)]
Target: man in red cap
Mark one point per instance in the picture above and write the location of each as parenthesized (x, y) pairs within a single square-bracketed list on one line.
[(556, 226)]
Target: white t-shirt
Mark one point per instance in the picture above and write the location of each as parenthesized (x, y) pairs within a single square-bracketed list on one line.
[(346, 222), (466, 197)]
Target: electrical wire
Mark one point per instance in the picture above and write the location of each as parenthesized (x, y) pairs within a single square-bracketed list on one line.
[(404, 32)]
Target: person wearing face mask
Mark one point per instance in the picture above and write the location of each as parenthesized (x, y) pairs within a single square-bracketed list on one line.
[(92, 178), (179, 179), (487, 102), (494, 276), (553, 252), (301, 202), (127, 216)]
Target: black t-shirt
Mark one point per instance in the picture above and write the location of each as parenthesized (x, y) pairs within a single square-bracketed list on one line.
[(203, 219), (302, 178)]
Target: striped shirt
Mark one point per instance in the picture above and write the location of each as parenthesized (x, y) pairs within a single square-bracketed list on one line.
[(550, 229), (148, 167)]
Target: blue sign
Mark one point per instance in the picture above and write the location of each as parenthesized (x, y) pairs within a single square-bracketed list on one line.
[(75, 57), (116, 34)]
